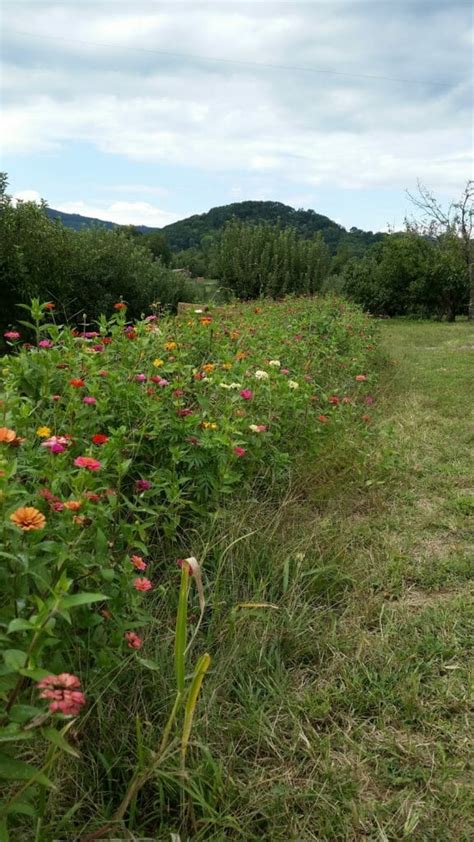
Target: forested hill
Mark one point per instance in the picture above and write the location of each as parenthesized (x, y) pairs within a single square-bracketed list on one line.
[(190, 232)]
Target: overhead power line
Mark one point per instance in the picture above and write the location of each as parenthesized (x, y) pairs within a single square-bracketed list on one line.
[(243, 62)]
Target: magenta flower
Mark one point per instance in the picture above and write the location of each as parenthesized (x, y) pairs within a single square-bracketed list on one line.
[(246, 394), (55, 444), (140, 378), (45, 343), (142, 485), (89, 400)]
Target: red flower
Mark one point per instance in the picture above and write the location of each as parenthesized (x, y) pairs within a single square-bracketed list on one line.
[(133, 641), (88, 462), (100, 438), (240, 451), (334, 400), (183, 412), (142, 584), (120, 305), (77, 382)]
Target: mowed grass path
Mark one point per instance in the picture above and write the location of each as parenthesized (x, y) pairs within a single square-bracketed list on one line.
[(344, 714)]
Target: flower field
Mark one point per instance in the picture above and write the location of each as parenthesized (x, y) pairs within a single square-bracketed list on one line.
[(119, 445)]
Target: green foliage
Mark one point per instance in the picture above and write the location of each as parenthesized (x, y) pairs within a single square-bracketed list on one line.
[(265, 260), (86, 271), (410, 274)]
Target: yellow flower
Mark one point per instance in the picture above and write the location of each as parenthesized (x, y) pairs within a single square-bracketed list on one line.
[(209, 425), (226, 365), (43, 432), (157, 362), (170, 346)]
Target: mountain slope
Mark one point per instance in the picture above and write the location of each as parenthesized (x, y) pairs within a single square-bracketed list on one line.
[(189, 233)]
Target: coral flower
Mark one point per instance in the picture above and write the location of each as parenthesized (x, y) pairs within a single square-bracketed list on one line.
[(6, 435), (240, 451), (77, 382), (64, 693), (88, 462), (360, 378), (28, 518), (120, 305), (323, 419), (142, 584), (133, 641), (43, 432), (246, 394), (100, 438), (138, 562)]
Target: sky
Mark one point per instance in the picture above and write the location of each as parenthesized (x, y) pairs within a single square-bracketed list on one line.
[(148, 112)]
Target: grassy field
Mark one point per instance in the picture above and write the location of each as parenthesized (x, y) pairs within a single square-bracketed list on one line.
[(342, 713)]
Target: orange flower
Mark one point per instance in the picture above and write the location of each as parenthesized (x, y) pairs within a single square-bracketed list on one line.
[(170, 346), (208, 367), (73, 505), (120, 305), (241, 355), (28, 518), (7, 435)]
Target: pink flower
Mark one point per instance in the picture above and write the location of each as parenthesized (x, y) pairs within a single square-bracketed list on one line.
[(133, 641), (64, 693), (142, 584), (184, 412), (56, 444), (369, 400), (89, 400), (178, 393), (55, 397), (140, 378), (45, 343), (240, 451), (142, 485), (285, 370), (360, 378), (103, 373), (11, 335), (138, 562), (246, 394), (88, 462)]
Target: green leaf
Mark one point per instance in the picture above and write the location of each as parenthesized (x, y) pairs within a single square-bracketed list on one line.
[(20, 807), (23, 713), (17, 770), (4, 835), (19, 625), (149, 664), (15, 659), (82, 599), (12, 732), (58, 740)]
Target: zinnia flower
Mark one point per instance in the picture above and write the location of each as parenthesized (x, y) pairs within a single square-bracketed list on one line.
[(77, 382), (88, 462), (334, 400), (240, 451), (11, 335), (28, 518), (142, 485), (89, 400), (120, 305), (100, 438), (170, 346), (261, 375), (142, 584), (133, 641), (293, 384), (360, 378), (246, 394), (183, 412), (45, 343), (157, 362), (64, 693), (43, 432), (49, 305), (140, 378), (258, 428), (323, 418), (7, 436), (138, 562), (276, 363), (56, 444)]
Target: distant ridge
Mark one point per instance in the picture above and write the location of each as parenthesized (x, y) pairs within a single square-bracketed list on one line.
[(189, 233)]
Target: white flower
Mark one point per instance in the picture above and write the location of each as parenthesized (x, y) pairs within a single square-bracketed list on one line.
[(261, 375), (225, 385), (198, 311), (236, 385), (276, 363), (293, 384)]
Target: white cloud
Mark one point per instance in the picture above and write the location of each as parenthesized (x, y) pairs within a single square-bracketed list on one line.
[(124, 213), (289, 126), (26, 196)]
